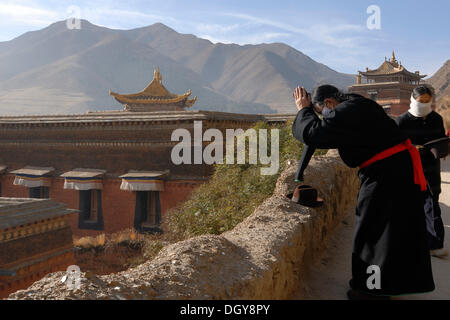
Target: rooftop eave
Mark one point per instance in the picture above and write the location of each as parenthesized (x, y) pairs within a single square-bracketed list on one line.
[(190, 102), (126, 100), (405, 72), (378, 84)]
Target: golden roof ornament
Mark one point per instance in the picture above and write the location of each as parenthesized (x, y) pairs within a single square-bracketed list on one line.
[(391, 67), (157, 75), (154, 97), (393, 57)]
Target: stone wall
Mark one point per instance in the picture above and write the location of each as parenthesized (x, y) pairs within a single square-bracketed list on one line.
[(263, 257)]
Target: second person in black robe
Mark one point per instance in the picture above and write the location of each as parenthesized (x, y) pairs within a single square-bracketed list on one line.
[(421, 128)]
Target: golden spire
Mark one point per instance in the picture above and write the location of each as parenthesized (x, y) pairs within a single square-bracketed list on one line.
[(157, 75), (393, 57)]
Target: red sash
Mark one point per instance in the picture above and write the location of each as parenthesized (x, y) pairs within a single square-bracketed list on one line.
[(419, 177)]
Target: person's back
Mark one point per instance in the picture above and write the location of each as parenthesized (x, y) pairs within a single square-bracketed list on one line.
[(371, 128), (363, 130)]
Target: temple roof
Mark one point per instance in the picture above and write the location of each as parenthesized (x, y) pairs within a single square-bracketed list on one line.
[(19, 211), (154, 93), (390, 67)]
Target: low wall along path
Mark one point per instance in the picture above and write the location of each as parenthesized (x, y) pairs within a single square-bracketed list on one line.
[(264, 257)]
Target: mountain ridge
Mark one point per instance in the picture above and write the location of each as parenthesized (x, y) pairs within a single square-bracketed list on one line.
[(59, 63), (440, 81)]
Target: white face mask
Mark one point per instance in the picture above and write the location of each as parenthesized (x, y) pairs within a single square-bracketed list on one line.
[(419, 109), (326, 111)]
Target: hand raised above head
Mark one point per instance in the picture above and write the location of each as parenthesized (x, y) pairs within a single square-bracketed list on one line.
[(302, 98)]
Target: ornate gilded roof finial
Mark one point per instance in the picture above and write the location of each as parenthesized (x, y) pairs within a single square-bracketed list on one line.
[(154, 97), (393, 57), (157, 75)]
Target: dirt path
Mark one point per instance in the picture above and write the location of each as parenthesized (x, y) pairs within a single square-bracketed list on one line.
[(328, 277)]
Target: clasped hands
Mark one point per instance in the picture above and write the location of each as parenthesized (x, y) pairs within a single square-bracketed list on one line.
[(302, 98)]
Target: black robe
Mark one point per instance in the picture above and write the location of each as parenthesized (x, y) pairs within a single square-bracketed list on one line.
[(390, 229), (421, 131)]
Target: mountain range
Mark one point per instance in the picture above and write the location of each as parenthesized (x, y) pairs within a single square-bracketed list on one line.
[(440, 82), (57, 70)]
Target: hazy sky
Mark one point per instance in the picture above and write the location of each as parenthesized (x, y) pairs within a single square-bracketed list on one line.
[(329, 31)]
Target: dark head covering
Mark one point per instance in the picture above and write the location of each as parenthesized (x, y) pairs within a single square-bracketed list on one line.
[(422, 89), (323, 92)]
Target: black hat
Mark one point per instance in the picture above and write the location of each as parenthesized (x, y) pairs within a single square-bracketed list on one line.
[(322, 92), (441, 145), (308, 196)]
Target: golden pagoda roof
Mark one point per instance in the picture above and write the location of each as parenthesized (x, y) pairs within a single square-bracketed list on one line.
[(390, 67), (154, 93)]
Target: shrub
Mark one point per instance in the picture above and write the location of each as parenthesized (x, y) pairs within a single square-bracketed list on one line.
[(232, 193)]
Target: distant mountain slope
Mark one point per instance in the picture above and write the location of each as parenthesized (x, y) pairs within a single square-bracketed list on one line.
[(440, 81), (57, 70), (265, 73)]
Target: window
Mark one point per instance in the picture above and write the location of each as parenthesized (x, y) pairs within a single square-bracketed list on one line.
[(387, 109), (90, 206), (147, 216), (39, 192), (93, 215)]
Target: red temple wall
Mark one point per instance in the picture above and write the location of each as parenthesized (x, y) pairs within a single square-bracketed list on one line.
[(117, 205), (397, 98), (116, 146), (32, 273)]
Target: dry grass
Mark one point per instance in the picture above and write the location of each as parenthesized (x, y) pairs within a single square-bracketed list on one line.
[(127, 236), (90, 242), (124, 236), (216, 206), (104, 254), (232, 193)]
